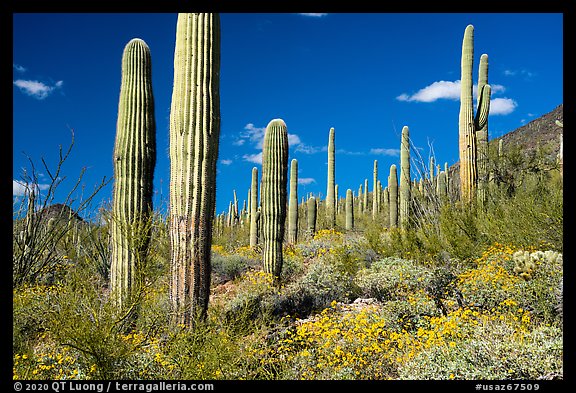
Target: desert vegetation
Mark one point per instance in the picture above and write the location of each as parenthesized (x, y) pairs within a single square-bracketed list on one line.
[(433, 274)]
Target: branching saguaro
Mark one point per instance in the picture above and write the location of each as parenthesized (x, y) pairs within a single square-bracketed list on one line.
[(194, 137), (134, 163), (469, 124)]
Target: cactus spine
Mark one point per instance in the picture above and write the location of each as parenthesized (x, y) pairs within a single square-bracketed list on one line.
[(349, 210), (469, 124), (254, 208), (293, 203), (331, 187), (404, 208), (194, 137), (393, 196), (134, 162), (273, 199)]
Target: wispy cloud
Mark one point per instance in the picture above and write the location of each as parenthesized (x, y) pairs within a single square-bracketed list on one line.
[(523, 72), (18, 67), (306, 180), (385, 152), (313, 15), (226, 162), (435, 91), (447, 90), (307, 149), (255, 158), (36, 89)]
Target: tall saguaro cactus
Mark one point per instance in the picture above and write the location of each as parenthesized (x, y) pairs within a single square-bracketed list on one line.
[(393, 196), (194, 138), (331, 187), (404, 194), (134, 162), (374, 191), (293, 203), (254, 208), (349, 210), (273, 198), (469, 124), (311, 216)]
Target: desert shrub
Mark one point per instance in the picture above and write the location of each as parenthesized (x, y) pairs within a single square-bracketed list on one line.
[(230, 267)]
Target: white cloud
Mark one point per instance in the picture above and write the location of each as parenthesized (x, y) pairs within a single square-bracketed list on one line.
[(293, 139), (36, 89), (443, 90), (255, 158), (18, 68), (20, 188), (306, 180), (313, 15), (385, 152), (435, 91), (307, 149), (226, 162), (502, 106)]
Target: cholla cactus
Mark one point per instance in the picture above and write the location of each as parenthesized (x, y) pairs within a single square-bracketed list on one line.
[(526, 263)]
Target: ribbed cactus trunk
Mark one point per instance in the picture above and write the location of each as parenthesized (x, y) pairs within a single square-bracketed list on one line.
[(293, 203), (442, 186), (365, 204), (134, 162), (254, 208), (194, 140), (311, 216), (482, 140), (349, 210), (393, 196), (273, 198), (386, 207), (404, 208), (331, 187), (374, 191), (468, 124)]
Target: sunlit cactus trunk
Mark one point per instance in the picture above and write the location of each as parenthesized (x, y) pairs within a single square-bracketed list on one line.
[(134, 163), (293, 203), (482, 139), (375, 191), (349, 210), (468, 124), (254, 208), (331, 187), (311, 207), (393, 196), (404, 194), (273, 198), (194, 138)]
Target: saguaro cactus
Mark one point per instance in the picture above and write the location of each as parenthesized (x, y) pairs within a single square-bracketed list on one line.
[(404, 208), (349, 210), (393, 196), (273, 199), (134, 162), (482, 139), (468, 123), (331, 187), (374, 191), (293, 203), (254, 208), (194, 137), (311, 216)]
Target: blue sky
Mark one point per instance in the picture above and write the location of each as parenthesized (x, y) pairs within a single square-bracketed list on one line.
[(366, 75)]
